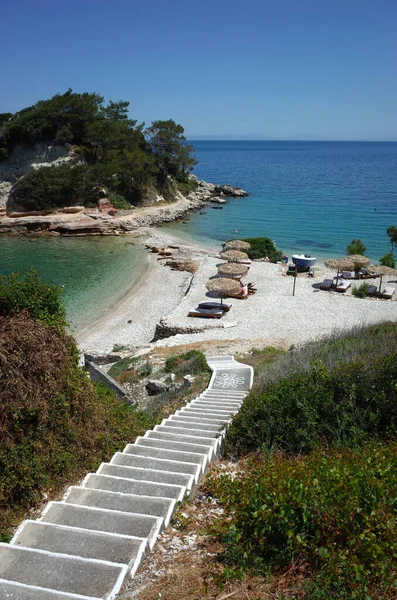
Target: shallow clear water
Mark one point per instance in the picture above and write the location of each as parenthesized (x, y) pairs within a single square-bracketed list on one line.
[(308, 196), (93, 271)]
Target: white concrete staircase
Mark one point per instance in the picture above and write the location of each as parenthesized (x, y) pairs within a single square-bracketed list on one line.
[(84, 546)]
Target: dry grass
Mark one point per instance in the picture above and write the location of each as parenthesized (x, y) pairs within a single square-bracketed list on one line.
[(186, 561)]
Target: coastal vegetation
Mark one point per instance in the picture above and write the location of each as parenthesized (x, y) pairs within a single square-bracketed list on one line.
[(312, 500), (356, 247), (263, 247), (388, 259), (112, 154), (171, 389), (55, 425)]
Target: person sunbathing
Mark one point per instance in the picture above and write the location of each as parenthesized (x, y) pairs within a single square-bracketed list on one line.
[(242, 291)]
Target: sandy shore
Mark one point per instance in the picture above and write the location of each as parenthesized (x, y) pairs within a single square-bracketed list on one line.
[(273, 316)]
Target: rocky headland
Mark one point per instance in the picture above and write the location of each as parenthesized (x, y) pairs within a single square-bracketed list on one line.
[(104, 219)]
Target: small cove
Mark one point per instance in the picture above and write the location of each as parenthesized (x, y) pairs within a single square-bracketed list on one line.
[(94, 272)]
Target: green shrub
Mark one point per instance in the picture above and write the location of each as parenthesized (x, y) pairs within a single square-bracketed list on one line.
[(41, 300), (55, 425), (388, 260), (344, 401), (334, 513), (263, 247), (119, 202), (51, 187), (361, 291), (190, 363), (120, 366), (356, 247)]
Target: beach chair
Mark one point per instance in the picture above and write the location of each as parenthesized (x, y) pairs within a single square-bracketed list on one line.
[(225, 306), (372, 290), (348, 274), (326, 284), (207, 313), (387, 292), (343, 286)]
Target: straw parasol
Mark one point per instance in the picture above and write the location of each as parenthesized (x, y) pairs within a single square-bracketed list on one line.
[(339, 264), (234, 256), (223, 286), (359, 259), (237, 245), (234, 270), (384, 270)]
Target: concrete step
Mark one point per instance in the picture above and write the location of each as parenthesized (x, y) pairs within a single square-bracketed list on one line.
[(127, 486), (211, 412), (174, 466), (60, 572), (105, 520), (175, 445), (183, 457), (175, 427), (201, 412), (178, 437), (211, 426), (148, 475), (219, 401), (84, 543), (129, 503), (10, 590), (224, 393), (204, 428), (206, 404), (192, 417)]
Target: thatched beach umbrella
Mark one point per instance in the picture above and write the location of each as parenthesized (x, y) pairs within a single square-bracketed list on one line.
[(236, 245), (234, 256), (223, 286), (384, 270), (339, 264), (234, 270), (359, 259)]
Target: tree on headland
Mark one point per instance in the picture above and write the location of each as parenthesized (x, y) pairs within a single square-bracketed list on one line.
[(356, 247), (112, 153), (167, 141)]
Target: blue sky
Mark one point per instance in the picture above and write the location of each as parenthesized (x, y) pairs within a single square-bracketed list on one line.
[(286, 69)]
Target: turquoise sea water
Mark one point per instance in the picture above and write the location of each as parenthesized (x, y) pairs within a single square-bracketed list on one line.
[(310, 197), (93, 271)]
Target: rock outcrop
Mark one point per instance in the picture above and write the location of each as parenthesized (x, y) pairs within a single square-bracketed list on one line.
[(103, 220)]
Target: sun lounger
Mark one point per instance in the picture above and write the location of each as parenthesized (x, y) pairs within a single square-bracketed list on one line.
[(348, 274), (372, 290), (326, 284), (208, 313), (343, 286), (387, 292), (225, 306)]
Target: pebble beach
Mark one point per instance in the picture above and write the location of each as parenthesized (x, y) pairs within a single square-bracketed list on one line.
[(273, 316)]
